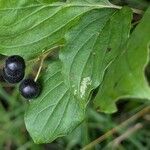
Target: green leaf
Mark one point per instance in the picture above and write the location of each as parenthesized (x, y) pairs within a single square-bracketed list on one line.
[(91, 47), (125, 77), (58, 110), (55, 112), (29, 28)]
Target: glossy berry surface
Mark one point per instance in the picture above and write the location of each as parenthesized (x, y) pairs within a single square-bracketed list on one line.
[(14, 69), (14, 65), (13, 79), (29, 89)]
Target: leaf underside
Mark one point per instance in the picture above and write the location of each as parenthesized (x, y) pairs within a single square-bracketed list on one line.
[(55, 112), (91, 47), (63, 103)]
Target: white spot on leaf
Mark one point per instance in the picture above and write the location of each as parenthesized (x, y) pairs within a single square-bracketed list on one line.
[(75, 92), (84, 84)]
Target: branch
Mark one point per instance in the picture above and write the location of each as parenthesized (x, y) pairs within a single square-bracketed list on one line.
[(124, 136), (114, 130)]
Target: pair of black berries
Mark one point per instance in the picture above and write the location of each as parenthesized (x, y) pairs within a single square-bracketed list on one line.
[(14, 71)]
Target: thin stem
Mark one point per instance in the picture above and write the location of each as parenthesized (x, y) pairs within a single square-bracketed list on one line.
[(114, 130), (51, 49), (46, 53), (116, 142), (135, 23), (136, 11), (40, 67)]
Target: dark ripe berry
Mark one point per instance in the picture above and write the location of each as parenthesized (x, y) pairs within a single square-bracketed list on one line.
[(13, 79), (14, 65), (29, 89), (14, 69)]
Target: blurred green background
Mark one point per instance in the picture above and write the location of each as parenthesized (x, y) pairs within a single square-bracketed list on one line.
[(134, 134)]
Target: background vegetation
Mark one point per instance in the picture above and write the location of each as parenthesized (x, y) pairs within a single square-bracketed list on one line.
[(133, 133)]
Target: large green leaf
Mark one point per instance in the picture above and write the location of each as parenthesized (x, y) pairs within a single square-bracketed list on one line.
[(55, 112), (125, 77), (92, 46), (29, 27), (58, 110)]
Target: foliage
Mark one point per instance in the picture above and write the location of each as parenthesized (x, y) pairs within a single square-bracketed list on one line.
[(97, 50)]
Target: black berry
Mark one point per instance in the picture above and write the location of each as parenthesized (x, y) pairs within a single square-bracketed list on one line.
[(13, 79), (14, 65), (29, 89), (14, 69)]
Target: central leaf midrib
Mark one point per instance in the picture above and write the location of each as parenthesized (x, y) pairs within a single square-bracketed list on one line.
[(96, 5)]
